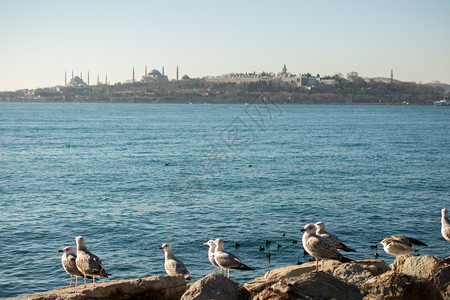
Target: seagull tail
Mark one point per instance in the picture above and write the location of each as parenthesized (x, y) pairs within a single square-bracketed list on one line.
[(345, 259), (105, 275), (417, 242), (244, 268), (347, 249)]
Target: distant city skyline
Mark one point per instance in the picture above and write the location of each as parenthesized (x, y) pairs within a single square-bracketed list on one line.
[(43, 40)]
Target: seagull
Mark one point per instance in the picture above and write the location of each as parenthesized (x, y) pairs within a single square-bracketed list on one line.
[(68, 262), (445, 229), (320, 247), (88, 263), (173, 265), (320, 231), (396, 247), (226, 260), (212, 249), (408, 240)]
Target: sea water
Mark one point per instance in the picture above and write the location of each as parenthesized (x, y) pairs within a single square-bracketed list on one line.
[(129, 177)]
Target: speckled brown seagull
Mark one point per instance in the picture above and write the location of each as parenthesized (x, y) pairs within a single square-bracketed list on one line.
[(396, 247), (320, 231), (320, 247), (173, 265), (68, 262), (88, 263)]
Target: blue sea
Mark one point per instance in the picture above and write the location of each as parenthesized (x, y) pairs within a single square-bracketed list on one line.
[(130, 177)]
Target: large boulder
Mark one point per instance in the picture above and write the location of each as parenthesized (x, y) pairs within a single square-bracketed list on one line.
[(216, 286), (357, 272), (312, 285), (417, 266), (440, 277), (153, 287), (401, 286), (274, 276)]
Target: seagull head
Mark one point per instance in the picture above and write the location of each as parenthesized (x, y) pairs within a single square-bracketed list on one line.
[(210, 243), (320, 226), (68, 250), (165, 247), (444, 212), (385, 241), (309, 228), (80, 242), (219, 244)]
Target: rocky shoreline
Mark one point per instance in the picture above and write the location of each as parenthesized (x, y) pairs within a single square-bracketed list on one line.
[(409, 277)]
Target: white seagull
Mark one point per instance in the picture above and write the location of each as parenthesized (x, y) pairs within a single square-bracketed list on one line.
[(173, 265), (88, 263), (68, 262), (396, 247), (211, 250), (445, 229), (320, 247), (226, 260), (320, 231)]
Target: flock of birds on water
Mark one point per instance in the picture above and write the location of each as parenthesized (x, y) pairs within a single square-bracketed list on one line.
[(316, 241)]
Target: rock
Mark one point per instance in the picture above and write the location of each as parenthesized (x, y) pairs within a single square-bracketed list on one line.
[(273, 276), (418, 266), (216, 286), (357, 272), (311, 285), (401, 286), (440, 277), (153, 287)]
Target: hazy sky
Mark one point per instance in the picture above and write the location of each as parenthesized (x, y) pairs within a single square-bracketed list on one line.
[(40, 40)]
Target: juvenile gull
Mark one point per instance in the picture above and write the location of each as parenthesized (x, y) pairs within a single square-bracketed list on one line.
[(445, 229), (320, 247), (408, 240), (173, 265), (226, 260), (88, 263), (396, 247), (320, 231), (212, 249), (68, 262)]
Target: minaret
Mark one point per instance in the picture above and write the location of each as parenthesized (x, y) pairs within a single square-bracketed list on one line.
[(392, 76), (98, 79), (145, 75), (88, 79), (163, 71), (284, 72), (133, 75), (65, 78), (106, 79), (177, 72), (72, 74)]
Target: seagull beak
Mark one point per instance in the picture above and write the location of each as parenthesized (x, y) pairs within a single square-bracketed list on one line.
[(303, 229), (60, 251), (205, 244), (160, 248)]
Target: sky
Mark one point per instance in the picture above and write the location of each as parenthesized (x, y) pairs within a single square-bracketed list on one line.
[(42, 40)]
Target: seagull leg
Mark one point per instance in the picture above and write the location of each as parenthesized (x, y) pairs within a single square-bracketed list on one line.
[(317, 266), (85, 280), (70, 280), (93, 280), (76, 280)]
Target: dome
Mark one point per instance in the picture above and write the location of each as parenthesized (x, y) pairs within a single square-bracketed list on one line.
[(154, 72)]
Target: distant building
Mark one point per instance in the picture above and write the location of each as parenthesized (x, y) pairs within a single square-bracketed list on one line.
[(154, 75), (77, 82)]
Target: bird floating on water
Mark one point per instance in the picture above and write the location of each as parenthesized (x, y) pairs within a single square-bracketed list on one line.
[(320, 231), (319, 247), (226, 260), (173, 265), (88, 263), (445, 228)]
